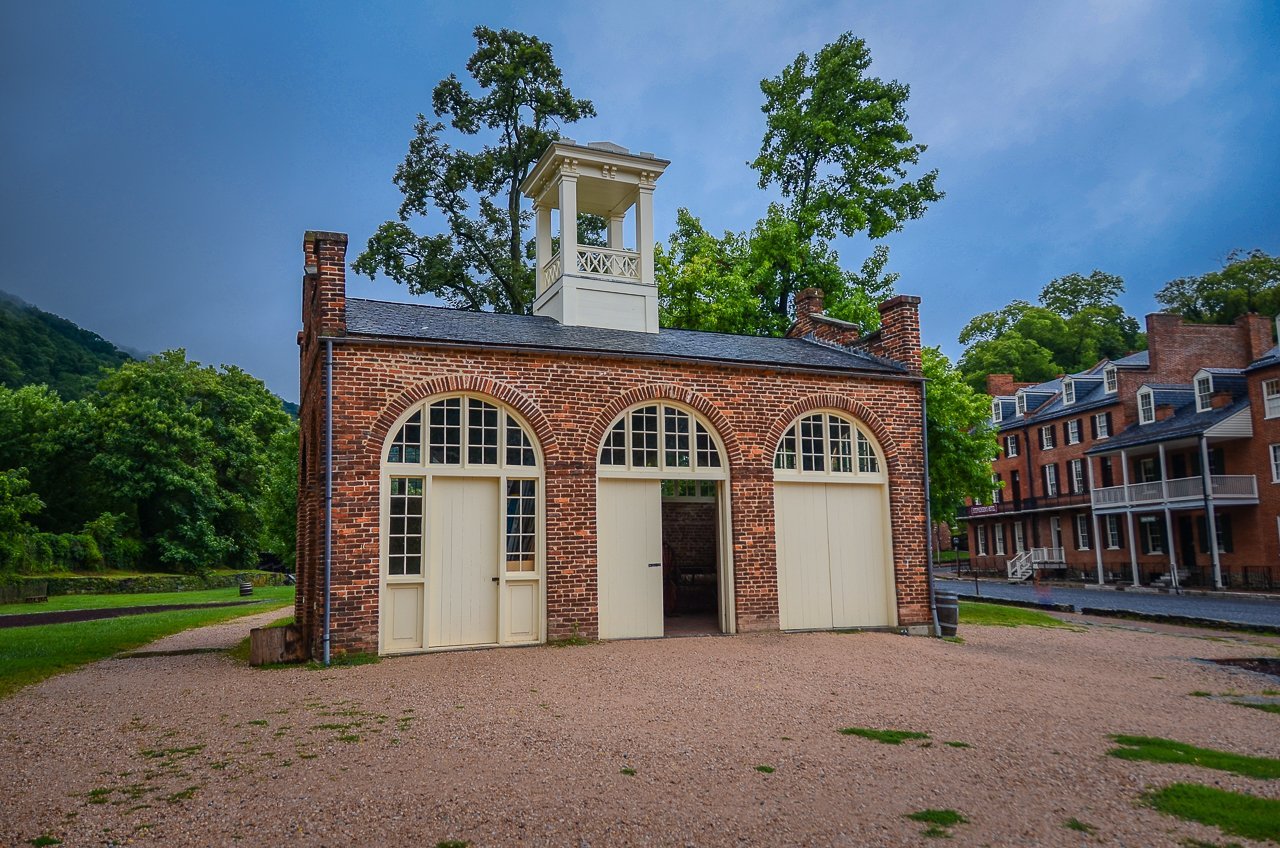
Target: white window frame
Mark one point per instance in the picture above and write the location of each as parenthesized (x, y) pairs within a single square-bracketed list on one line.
[(1275, 463), (998, 535), (1050, 480), (1204, 392), (1110, 382), (1076, 470), (1019, 540), (1150, 526), (1271, 398), (997, 412), (867, 458), (1010, 446), (1020, 402), (980, 536), (1146, 406), (1100, 424), (1082, 532), (1073, 431), (1113, 532), (696, 468), (1048, 439), (1068, 391)]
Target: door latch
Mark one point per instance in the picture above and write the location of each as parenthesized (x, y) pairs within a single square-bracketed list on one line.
[(655, 565)]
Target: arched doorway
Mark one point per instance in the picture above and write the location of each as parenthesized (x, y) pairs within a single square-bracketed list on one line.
[(461, 528), (660, 465), (831, 517)]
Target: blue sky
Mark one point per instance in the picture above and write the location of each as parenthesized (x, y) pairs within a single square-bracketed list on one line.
[(160, 161)]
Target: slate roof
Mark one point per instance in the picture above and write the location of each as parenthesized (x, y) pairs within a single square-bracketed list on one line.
[(535, 332), (1271, 357), (1090, 394), (1183, 423), (1141, 359)]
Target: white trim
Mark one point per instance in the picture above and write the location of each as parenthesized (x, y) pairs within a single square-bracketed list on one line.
[(1204, 398), (1083, 542), (1275, 463), (1110, 380), (828, 473), (1048, 438), (1068, 391), (1010, 446), (1073, 431), (997, 411), (1101, 426), (1271, 398), (1020, 402), (980, 536), (1113, 532), (998, 535), (1147, 411)]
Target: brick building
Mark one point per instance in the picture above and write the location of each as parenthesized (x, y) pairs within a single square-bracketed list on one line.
[(504, 479), (1127, 471)]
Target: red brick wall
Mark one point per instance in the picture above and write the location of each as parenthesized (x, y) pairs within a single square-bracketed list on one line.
[(689, 528), (569, 401)]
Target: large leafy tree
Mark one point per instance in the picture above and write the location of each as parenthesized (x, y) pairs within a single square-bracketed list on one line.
[(962, 442), (479, 259), (1247, 282), (837, 147), (1076, 324)]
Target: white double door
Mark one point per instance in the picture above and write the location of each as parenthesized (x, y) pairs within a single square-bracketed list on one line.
[(629, 558)]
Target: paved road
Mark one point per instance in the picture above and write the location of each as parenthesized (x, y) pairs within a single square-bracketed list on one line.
[(1253, 611)]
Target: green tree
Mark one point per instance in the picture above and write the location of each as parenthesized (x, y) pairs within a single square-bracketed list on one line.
[(1247, 282), (837, 147), (279, 501), (1076, 324), (186, 451), (481, 260), (17, 504), (962, 442)]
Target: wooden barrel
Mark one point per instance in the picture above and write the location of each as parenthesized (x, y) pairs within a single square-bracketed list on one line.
[(948, 612), (246, 588)]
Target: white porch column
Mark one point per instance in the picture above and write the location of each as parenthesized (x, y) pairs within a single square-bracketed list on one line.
[(1093, 519), (1133, 539), (1168, 521), (568, 222), (542, 243), (615, 232), (644, 232), (1211, 520)]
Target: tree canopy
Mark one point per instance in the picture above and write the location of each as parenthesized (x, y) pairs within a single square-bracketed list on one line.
[(481, 259), (1247, 282), (961, 441), (40, 347), (1076, 324)]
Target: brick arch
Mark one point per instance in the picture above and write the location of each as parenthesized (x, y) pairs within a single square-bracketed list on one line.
[(679, 394), (831, 400), (377, 434)]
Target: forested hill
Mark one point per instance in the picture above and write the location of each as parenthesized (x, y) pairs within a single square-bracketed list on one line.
[(40, 347)]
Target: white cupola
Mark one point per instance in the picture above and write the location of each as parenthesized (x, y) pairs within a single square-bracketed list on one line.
[(583, 285)]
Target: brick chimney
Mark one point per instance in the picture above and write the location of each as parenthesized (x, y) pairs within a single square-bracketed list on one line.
[(808, 303), (899, 333), (1257, 332), (324, 284), (1003, 385)]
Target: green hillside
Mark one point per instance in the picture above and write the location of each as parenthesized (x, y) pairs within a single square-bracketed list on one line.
[(39, 347)]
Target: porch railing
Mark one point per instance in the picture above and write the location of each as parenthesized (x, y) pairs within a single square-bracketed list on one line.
[(1237, 487)]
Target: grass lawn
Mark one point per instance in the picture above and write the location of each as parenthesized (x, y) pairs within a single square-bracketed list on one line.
[(143, 599), (1002, 616), (1157, 750), (30, 654), (1234, 812)]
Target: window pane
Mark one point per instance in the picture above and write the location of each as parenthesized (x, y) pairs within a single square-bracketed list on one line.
[(482, 433), (614, 449), (868, 462), (404, 539), (812, 455), (519, 448), (644, 437), (785, 458), (407, 446), (708, 456), (841, 438), (521, 525), (445, 433)]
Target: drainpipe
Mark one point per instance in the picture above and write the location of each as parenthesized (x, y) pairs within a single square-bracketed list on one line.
[(328, 488), (1211, 520), (928, 510)]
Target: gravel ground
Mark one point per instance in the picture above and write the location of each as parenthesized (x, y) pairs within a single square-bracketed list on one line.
[(528, 746)]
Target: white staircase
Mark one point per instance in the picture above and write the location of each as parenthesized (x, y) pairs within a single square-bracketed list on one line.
[(1020, 567), (1026, 563)]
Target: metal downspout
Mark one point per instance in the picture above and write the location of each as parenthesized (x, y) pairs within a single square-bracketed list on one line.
[(1211, 522), (328, 487), (928, 509)]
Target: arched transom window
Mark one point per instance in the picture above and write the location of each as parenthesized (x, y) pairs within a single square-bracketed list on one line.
[(661, 438), (827, 444), (464, 432)]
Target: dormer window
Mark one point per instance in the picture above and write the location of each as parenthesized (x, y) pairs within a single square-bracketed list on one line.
[(1109, 382), (1146, 406), (1021, 403), (1068, 392), (996, 411), (1204, 392)]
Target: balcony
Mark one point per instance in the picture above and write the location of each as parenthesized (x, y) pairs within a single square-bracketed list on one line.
[(1179, 493), (601, 262), (1029, 504)]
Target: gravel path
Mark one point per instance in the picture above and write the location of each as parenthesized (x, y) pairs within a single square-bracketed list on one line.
[(528, 746)]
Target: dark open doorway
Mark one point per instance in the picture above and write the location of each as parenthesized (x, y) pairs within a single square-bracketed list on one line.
[(690, 557)]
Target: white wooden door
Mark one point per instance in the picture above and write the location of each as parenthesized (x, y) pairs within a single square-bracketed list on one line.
[(463, 559), (833, 557), (804, 569), (629, 558)]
